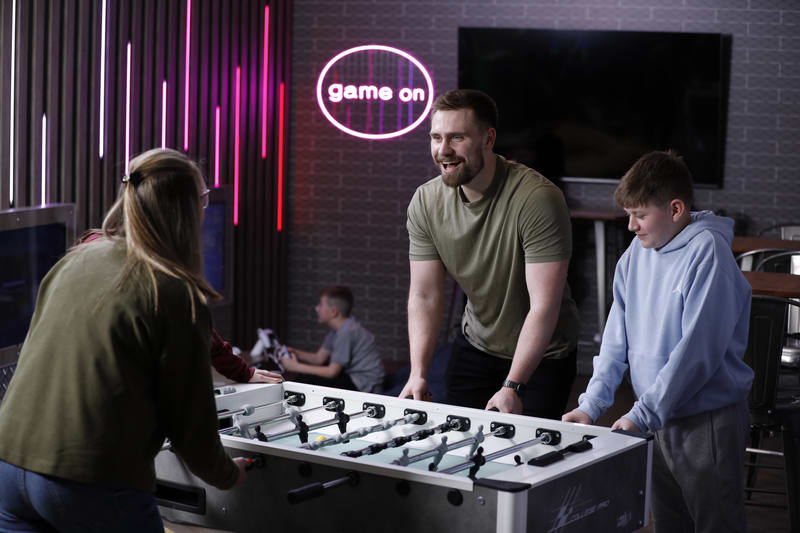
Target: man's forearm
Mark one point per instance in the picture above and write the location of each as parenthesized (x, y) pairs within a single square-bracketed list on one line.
[(424, 321), (537, 330)]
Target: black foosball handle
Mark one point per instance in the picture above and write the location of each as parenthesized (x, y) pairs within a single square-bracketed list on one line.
[(306, 493), (314, 490)]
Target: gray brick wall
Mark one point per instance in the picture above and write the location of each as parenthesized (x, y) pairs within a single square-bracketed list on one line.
[(347, 196)]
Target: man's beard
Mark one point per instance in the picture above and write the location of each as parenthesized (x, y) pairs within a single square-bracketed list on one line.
[(465, 174)]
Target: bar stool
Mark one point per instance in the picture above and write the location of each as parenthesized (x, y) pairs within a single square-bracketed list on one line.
[(769, 412)]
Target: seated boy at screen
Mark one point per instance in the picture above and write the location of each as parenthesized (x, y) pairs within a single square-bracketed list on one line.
[(347, 358), (679, 322)]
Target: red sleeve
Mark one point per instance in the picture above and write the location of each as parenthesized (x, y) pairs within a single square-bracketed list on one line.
[(226, 363)]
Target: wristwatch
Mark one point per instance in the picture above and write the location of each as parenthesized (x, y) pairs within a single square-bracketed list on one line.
[(519, 388)]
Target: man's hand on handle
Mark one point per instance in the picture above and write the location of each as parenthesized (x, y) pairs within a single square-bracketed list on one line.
[(506, 401), (417, 388)]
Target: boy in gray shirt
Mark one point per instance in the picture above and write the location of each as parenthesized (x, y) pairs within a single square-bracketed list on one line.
[(347, 358)]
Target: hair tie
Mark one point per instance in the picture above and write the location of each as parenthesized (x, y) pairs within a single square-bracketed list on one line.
[(134, 178)]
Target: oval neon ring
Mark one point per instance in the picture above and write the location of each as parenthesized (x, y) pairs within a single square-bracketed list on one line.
[(381, 48)]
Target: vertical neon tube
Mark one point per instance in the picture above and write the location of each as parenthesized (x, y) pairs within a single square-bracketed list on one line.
[(280, 157), (44, 158), (236, 150), (11, 108), (264, 82), (128, 114), (164, 114), (216, 152), (186, 77), (101, 140)]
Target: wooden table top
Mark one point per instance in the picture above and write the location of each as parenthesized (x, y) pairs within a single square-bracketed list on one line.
[(745, 244), (774, 284)]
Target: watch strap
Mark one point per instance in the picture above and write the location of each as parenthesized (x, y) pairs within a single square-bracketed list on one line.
[(519, 388)]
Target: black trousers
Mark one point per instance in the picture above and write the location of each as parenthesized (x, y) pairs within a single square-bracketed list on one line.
[(473, 377)]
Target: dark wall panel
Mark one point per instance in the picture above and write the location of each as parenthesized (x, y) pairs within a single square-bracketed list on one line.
[(349, 196), (58, 46)]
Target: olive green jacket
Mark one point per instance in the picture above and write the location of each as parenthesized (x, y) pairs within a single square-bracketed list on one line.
[(103, 377)]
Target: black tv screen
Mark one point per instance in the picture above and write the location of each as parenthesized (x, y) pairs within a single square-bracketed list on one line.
[(214, 249), (586, 104), (27, 254)]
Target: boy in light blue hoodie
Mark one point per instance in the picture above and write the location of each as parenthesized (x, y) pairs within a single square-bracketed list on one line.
[(679, 322)]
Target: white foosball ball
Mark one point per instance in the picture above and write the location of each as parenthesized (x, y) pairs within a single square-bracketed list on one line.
[(333, 460)]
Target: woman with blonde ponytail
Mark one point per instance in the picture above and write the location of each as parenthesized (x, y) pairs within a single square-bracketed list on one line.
[(116, 359)]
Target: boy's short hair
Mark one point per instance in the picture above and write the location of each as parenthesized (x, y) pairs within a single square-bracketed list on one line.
[(482, 105), (656, 178), (339, 297)]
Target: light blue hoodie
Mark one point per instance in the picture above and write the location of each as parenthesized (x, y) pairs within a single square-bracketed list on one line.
[(680, 320)]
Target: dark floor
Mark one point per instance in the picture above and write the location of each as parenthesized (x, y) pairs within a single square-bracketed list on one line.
[(759, 519)]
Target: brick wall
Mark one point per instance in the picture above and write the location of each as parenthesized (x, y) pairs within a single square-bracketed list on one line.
[(348, 196)]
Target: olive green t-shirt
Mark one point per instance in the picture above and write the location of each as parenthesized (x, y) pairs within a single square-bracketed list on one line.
[(522, 218)]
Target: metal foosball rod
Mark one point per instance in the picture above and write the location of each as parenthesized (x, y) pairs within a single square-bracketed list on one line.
[(358, 433), (302, 429), (247, 409), (452, 423), (438, 452), (288, 416), (478, 460)]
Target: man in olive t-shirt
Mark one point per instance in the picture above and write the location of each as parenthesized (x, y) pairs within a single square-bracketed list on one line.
[(503, 233)]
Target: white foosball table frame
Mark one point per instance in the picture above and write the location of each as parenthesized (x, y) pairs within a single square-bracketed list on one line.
[(604, 488)]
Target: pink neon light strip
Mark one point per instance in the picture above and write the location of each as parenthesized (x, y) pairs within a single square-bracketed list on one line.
[(13, 104), (280, 159), (236, 150), (44, 159), (216, 152), (186, 77), (128, 114), (264, 80), (102, 82), (164, 114)]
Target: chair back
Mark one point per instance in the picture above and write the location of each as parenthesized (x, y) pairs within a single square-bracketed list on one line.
[(790, 233), (768, 315), (6, 372), (787, 232), (747, 261), (787, 262)]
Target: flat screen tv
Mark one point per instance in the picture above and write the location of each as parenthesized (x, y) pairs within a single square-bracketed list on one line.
[(32, 240), (218, 242), (584, 105)]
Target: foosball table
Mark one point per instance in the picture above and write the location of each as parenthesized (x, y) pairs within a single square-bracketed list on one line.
[(325, 459)]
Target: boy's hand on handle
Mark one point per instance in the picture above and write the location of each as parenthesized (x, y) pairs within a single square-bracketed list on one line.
[(417, 388), (626, 425), (576, 415)]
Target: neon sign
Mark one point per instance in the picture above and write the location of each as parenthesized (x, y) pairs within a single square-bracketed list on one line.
[(370, 92)]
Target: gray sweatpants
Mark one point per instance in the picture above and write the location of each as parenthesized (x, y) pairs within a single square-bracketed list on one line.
[(698, 464)]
